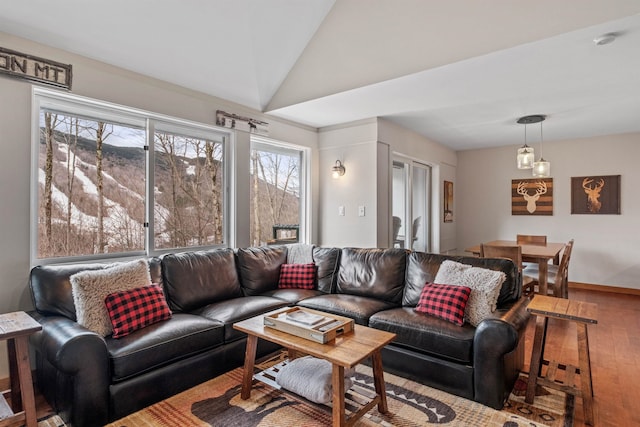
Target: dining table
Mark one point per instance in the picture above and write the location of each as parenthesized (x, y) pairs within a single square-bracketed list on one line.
[(539, 253)]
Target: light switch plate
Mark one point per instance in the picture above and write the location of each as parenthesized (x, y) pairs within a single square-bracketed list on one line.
[(341, 210), (360, 210)]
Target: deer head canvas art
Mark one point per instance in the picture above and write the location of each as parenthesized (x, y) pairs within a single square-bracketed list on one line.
[(598, 195), (532, 196), (531, 199), (593, 194)]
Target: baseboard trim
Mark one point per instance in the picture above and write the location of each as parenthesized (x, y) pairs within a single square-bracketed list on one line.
[(604, 288)]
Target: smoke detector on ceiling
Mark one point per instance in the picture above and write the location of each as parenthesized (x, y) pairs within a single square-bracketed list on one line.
[(605, 39)]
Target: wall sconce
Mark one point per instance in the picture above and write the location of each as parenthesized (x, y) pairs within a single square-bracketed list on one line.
[(337, 170)]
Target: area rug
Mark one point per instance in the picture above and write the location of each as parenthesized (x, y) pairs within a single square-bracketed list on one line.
[(51, 421), (217, 403)]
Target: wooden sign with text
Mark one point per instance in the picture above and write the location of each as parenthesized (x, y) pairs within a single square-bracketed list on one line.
[(40, 70)]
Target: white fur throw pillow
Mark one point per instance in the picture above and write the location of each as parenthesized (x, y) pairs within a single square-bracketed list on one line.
[(310, 378), (91, 287), (485, 287)]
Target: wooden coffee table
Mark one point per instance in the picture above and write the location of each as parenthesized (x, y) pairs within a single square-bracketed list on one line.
[(345, 351)]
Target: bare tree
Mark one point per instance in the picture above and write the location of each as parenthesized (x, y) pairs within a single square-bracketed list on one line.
[(256, 206), (72, 145), (279, 178), (51, 121), (212, 166), (101, 134), (174, 222)]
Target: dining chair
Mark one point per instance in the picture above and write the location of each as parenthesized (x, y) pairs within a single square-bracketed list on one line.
[(514, 253), (530, 239), (397, 223), (557, 275)]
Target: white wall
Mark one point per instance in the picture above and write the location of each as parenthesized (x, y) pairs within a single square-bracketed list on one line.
[(100, 81), (367, 148), (356, 147), (606, 246)]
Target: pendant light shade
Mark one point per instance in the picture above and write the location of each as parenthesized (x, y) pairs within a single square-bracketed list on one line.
[(525, 157), (540, 168)]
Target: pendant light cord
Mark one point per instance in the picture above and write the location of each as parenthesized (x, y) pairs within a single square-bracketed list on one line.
[(541, 139)]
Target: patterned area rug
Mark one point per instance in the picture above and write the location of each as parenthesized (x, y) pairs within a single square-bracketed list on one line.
[(51, 421), (217, 403)]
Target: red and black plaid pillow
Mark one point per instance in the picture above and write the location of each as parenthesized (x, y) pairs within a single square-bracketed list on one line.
[(444, 301), (136, 308), (297, 276)]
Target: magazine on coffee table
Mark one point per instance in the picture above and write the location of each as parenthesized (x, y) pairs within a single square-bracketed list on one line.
[(305, 317)]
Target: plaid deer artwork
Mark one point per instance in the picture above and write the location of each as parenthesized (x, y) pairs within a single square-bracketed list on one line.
[(532, 196)]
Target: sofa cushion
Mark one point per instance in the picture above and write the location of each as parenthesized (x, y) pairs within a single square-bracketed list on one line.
[(260, 268), (422, 267), (485, 287), (328, 262), (181, 337), (91, 287), (195, 279), (297, 276), (374, 273), (237, 309), (444, 301), (427, 334), (293, 296), (136, 308), (357, 307)]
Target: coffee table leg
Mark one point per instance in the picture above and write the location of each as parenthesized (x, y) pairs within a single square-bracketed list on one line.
[(378, 380), (249, 360), (337, 383)]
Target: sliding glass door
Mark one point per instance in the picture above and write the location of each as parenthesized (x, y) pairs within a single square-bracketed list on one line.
[(411, 195)]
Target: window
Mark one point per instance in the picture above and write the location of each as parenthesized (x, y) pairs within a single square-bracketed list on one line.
[(278, 188), (189, 178), (96, 178)]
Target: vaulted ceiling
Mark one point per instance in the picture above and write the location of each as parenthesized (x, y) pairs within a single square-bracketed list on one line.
[(460, 72)]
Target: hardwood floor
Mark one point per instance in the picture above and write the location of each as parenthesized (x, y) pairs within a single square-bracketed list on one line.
[(614, 345), (615, 357)]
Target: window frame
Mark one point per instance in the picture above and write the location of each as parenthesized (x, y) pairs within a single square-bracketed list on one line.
[(80, 106), (304, 230)]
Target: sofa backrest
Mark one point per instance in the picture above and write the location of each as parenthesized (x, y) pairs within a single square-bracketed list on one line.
[(376, 273), (195, 279), (422, 268), (51, 288), (259, 268)]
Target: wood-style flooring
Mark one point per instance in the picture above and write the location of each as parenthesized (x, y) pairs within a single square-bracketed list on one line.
[(615, 357)]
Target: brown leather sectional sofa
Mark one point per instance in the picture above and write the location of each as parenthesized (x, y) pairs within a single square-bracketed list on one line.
[(90, 380)]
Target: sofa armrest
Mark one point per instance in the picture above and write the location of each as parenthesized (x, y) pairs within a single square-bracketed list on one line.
[(497, 353), (80, 362)]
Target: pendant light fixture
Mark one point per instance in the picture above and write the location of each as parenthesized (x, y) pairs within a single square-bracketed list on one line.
[(525, 153), (540, 168)]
